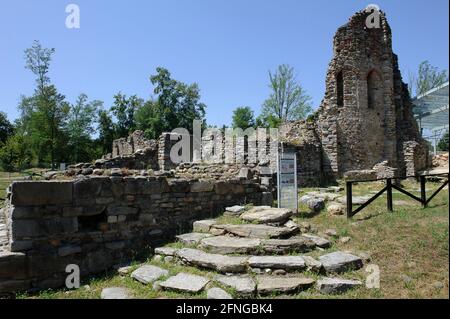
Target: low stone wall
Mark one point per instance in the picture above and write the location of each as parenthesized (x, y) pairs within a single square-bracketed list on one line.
[(99, 222), (416, 157)]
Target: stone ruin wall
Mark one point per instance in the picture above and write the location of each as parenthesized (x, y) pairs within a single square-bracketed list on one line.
[(365, 119), (302, 138), (129, 145), (99, 222)]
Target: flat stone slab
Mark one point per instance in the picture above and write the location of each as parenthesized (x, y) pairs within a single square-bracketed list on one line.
[(192, 238), (166, 251), (267, 215), (203, 226), (257, 231), (269, 284), (220, 263), (185, 283), (148, 274), (116, 293), (328, 285), (312, 264), (277, 262), (356, 200), (217, 293), (340, 261), (243, 285), (235, 210), (283, 246), (242, 245), (230, 245), (318, 241)]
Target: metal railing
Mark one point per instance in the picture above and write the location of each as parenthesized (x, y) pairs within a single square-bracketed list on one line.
[(388, 189)]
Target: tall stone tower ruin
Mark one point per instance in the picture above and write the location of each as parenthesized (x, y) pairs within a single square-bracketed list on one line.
[(366, 115)]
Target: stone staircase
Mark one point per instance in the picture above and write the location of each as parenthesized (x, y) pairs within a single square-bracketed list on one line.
[(259, 252)]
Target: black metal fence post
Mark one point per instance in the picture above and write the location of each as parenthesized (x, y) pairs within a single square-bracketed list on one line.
[(423, 193), (349, 199), (389, 194)]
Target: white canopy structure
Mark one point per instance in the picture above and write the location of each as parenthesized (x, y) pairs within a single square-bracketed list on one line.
[(431, 112)]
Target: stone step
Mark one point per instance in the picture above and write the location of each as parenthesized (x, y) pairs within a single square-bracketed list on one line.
[(184, 282), (267, 215), (318, 241), (246, 286), (278, 262), (267, 285), (328, 285), (230, 245), (241, 264), (242, 245), (286, 246), (203, 226), (217, 293), (234, 210), (257, 231), (148, 274), (339, 261), (192, 238), (220, 263), (243, 285)]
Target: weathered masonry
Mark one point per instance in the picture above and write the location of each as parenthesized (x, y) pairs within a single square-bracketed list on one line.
[(365, 118), (364, 126), (123, 205), (99, 222)]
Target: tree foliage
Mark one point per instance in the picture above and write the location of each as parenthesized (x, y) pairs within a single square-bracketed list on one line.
[(176, 104), (243, 117), (443, 143), (288, 100), (15, 154), (427, 78), (81, 126), (44, 113), (106, 131), (52, 130), (124, 110), (6, 128)]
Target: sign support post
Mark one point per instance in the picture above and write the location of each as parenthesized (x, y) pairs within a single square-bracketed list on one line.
[(287, 179)]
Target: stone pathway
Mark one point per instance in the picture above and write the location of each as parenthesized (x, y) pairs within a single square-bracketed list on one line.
[(264, 257)]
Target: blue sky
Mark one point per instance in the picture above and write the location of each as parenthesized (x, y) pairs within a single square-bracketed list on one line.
[(226, 46)]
